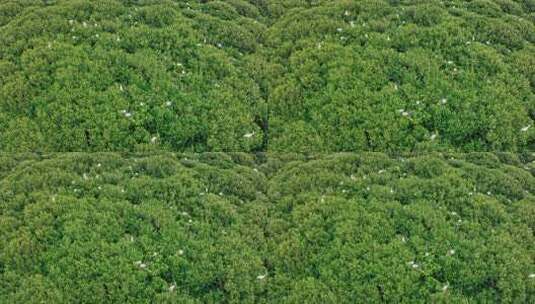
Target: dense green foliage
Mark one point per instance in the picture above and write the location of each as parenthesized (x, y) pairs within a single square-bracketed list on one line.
[(391, 75), (367, 228), (217, 228), (128, 75), (267, 75), (102, 228), (134, 89)]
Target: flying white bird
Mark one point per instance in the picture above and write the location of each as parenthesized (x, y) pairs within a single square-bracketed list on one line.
[(524, 129)]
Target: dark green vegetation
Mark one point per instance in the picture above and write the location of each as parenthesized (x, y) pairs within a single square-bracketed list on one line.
[(267, 75), (404, 75), (343, 228), (116, 75), (134, 88)]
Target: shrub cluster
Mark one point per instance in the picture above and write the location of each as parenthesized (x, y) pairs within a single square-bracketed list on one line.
[(166, 151), (267, 75), (403, 76), (238, 228), (128, 76)]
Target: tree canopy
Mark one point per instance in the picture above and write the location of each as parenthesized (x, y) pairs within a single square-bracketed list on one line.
[(267, 151), (127, 76), (270, 228), (267, 75)]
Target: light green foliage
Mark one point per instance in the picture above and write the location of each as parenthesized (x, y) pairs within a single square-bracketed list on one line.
[(267, 228)]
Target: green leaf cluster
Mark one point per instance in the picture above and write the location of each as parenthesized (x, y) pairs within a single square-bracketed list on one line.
[(267, 228), (267, 75)]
